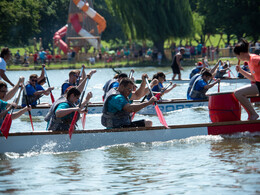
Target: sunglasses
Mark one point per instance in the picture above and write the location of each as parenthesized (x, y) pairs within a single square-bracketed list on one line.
[(34, 80)]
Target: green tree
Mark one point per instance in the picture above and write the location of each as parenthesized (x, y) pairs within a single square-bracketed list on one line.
[(19, 21), (153, 20)]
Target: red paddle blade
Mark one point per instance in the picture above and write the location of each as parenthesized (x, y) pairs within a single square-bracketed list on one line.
[(133, 115), (5, 128), (72, 125), (83, 120), (31, 121), (52, 98), (158, 96), (160, 116)]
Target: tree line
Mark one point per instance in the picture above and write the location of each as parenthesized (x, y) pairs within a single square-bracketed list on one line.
[(154, 20)]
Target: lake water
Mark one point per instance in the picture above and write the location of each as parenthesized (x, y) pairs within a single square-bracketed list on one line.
[(196, 165)]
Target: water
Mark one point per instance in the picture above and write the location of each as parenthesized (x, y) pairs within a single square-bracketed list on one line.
[(196, 165)]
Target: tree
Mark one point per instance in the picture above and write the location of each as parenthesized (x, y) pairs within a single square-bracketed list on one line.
[(153, 20), (19, 21)]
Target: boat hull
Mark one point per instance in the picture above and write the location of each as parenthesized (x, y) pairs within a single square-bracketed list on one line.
[(82, 140)]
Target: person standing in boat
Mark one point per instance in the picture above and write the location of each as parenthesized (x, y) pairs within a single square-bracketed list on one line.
[(73, 79), (5, 107), (64, 110), (117, 107), (241, 51), (4, 56), (34, 91), (159, 88), (176, 64), (200, 86)]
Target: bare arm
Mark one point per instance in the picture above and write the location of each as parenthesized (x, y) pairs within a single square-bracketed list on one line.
[(10, 94), (245, 73), (136, 107), (64, 112), (17, 114), (42, 74), (3, 75)]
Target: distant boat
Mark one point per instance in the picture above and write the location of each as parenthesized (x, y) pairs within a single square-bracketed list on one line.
[(87, 139), (227, 80)]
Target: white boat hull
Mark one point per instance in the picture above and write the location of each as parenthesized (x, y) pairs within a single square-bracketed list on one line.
[(82, 140)]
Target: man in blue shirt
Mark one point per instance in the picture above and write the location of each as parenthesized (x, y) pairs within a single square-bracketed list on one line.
[(117, 107), (34, 91)]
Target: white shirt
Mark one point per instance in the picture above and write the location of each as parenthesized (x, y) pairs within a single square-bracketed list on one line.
[(2, 65)]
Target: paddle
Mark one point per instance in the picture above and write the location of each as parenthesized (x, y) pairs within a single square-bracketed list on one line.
[(131, 73), (27, 104), (6, 125), (74, 120), (52, 97), (157, 109), (158, 95), (83, 119), (80, 74)]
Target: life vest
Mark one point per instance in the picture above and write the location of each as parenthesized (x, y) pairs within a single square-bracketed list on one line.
[(194, 71), (107, 86), (160, 87), (114, 120), (66, 82), (31, 98), (195, 94), (2, 110), (55, 123), (192, 80), (254, 66)]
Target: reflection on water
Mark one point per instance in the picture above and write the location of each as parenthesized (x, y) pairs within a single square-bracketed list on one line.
[(196, 165)]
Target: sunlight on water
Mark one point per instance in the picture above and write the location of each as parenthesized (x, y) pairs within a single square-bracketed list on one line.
[(195, 165)]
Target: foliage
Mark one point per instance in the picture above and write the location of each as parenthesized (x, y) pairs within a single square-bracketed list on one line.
[(19, 21), (153, 20)]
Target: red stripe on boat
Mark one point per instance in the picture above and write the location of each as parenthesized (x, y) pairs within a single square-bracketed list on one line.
[(229, 129)]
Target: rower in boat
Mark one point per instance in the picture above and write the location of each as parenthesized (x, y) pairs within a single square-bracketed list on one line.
[(198, 76), (5, 106), (242, 53), (245, 68), (34, 91), (201, 85), (159, 90), (196, 70), (74, 77), (64, 109), (113, 83), (117, 107), (222, 70), (63, 97)]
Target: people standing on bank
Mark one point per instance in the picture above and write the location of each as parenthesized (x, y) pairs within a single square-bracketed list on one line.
[(176, 64), (241, 51), (4, 56)]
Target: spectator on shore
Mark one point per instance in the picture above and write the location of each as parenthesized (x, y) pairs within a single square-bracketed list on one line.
[(35, 58)]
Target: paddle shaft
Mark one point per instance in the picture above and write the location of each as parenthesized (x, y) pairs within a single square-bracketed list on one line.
[(147, 83), (80, 74), (27, 104), (52, 98)]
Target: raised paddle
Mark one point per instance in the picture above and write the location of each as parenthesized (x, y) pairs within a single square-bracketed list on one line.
[(27, 104), (157, 109), (80, 75), (52, 97), (74, 120), (159, 95), (131, 73), (6, 125)]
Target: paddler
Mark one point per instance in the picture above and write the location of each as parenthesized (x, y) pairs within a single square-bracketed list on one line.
[(159, 88), (74, 76), (5, 106), (241, 51), (203, 86), (63, 112), (34, 91), (117, 107)]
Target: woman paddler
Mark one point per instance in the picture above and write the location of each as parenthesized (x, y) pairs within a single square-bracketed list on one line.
[(63, 112), (241, 51)]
